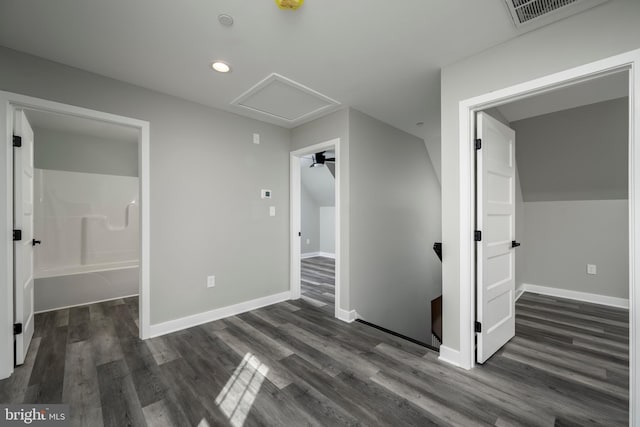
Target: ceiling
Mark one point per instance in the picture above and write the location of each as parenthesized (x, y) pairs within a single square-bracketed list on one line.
[(81, 126), (382, 58), (318, 182), (593, 91)]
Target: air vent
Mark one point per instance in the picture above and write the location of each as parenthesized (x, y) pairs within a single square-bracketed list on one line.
[(536, 13)]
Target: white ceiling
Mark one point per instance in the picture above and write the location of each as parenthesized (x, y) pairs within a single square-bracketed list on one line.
[(81, 126), (606, 88), (380, 57)]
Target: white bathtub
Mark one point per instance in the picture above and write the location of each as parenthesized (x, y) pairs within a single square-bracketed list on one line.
[(84, 285), (89, 227)]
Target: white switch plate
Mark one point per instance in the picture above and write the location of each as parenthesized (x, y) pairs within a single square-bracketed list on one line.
[(272, 211), (211, 281), (308, 241), (265, 194), (256, 138), (591, 269)]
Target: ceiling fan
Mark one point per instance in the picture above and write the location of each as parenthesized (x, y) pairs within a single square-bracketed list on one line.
[(319, 159)]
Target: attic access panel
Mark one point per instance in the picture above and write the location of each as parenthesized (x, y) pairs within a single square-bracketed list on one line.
[(530, 14), (283, 101)]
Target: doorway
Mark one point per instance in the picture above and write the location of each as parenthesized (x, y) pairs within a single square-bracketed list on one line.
[(552, 175), (318, 231), (19, 111), (629, 62), (318, 264)]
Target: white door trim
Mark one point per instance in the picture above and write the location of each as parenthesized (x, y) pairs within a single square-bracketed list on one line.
[(295, 197), (467, 108), (8, 102)]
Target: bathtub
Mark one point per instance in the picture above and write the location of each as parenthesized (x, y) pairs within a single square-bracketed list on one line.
[(89, 227), (72, 286)]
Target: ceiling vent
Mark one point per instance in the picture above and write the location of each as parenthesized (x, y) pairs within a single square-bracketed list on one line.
[(536, 13), (281, 101)]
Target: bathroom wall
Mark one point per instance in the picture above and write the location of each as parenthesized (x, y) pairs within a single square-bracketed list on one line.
[(85, 221)]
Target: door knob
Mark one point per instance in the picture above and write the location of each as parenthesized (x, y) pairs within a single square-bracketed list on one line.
[(36, 242), (514, 244)]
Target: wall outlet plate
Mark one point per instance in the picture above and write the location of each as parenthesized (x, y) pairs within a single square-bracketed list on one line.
[(211, 281), (591, 269), (256, 138), (265, 194)]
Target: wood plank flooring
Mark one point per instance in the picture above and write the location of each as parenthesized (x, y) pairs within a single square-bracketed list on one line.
[(293, 364), (318, 282)]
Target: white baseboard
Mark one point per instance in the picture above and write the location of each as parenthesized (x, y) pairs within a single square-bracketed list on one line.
[(519, 292), (346, 315), (449, 356), (219, 313), (309, 255), (576, 295), (84, 303)]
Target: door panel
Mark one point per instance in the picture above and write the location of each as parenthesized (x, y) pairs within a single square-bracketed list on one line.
[(23, 220), (495, 282)]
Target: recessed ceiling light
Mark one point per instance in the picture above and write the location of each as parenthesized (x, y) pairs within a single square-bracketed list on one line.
[(226, 20), (221, 67)]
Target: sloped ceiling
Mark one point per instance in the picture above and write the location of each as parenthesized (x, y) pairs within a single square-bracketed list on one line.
[(318, 182), (575, 154)]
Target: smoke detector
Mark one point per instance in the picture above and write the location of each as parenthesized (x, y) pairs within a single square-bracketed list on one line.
[(530, 14)]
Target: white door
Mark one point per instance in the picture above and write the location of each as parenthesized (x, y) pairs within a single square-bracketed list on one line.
[(23, 221), (496, 222)]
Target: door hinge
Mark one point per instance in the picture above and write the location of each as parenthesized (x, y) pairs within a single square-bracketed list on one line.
[(477, 236), (17, 235), (17, 141), (478, 327), (17, 328), (478, 144)]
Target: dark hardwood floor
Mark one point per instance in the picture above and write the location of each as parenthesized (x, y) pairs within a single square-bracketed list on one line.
[(318, 282), (293, 364)]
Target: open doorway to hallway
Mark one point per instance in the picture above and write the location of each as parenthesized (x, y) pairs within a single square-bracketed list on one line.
[(318, 228)]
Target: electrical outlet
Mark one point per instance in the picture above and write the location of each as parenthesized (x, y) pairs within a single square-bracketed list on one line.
[(591, 269), (211, 281)]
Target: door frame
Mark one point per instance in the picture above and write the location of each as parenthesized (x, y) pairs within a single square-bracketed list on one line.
[(296, 220), (8, 103), (630, 62)]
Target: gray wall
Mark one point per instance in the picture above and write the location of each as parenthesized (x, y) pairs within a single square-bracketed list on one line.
[(600, 32), (328, 229), (73, 152), (583, 151), (388, 224), (332, 126), (395, 211), (206, 174), (574, 170), (310, 222), (564, 236)]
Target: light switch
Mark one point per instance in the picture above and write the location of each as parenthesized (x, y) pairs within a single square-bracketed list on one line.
[(308, 241), (265, 194), (256, 138), (591, 269), (272, 211)]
